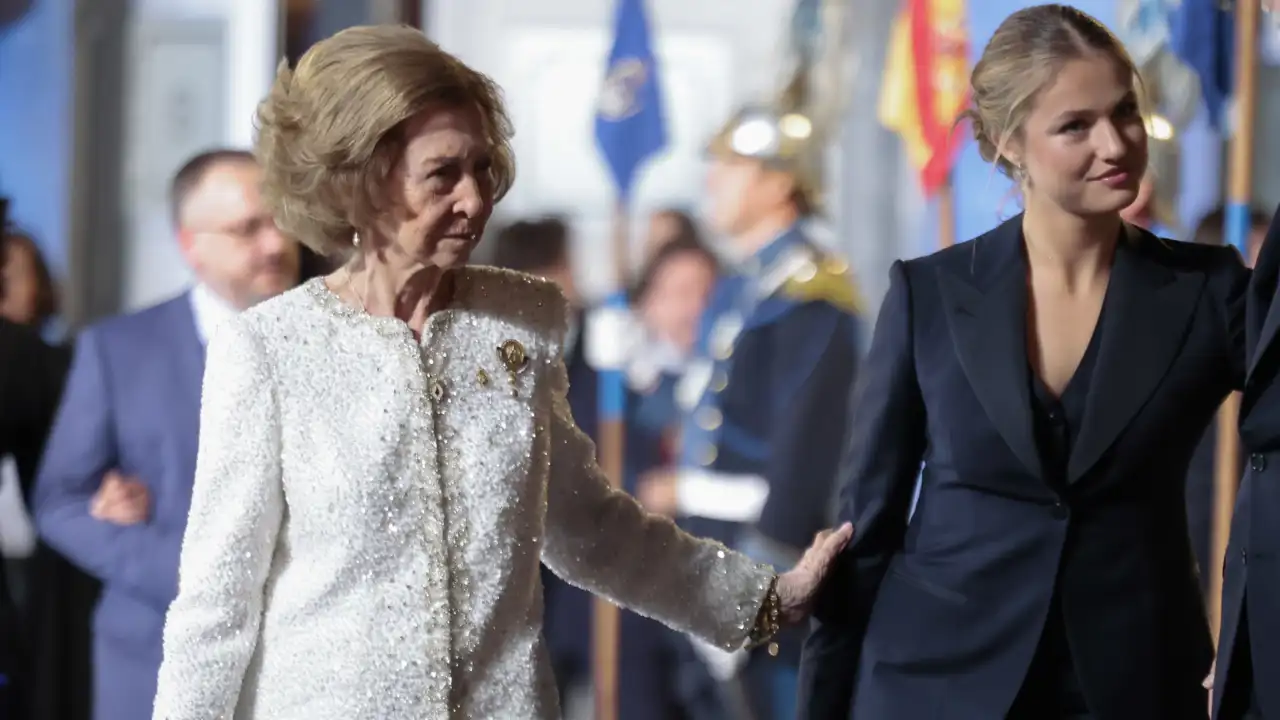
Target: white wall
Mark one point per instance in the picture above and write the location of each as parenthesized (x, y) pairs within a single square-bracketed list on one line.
[(195, 73)]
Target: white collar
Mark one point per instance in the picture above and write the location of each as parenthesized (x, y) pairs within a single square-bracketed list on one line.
[(210, 311)]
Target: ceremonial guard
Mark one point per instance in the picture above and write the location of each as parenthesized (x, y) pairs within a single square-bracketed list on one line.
[(764, 401)]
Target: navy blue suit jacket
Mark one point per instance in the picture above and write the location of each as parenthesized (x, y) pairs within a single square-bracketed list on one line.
[(938, 617), (1252, 566), (132, 402)]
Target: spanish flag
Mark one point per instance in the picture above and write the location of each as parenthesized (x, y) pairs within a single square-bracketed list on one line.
[(926, 84)]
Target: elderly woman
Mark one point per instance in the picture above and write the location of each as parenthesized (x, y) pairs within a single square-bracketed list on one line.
[(386, 452)]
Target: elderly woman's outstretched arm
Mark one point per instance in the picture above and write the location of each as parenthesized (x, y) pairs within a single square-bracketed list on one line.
[(600, 539)]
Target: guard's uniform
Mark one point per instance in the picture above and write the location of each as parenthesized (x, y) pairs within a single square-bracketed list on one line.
[(763, 410)]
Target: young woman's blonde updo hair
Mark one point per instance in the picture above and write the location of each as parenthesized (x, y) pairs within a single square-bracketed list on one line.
[(1024, 55), (329, 132)]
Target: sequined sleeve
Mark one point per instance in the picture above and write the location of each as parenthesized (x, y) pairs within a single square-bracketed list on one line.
[(236, 507), (601, 540)]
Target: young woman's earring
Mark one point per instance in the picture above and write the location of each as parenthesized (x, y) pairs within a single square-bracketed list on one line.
[(355, 240)]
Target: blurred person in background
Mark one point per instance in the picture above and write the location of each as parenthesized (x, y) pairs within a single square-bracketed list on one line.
[(1149, 210), (54, 598), (541, 248), (668, 300), (114, 487), (31, 376), (763, 402), (1201, 475), (29, 300), (668, 225)]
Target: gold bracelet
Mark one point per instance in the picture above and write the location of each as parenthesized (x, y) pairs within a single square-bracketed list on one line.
[(768, 621)]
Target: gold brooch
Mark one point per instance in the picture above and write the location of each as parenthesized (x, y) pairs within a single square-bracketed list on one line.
[(512, 354)]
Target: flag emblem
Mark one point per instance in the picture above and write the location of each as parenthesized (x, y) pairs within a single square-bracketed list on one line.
[(620, 94)]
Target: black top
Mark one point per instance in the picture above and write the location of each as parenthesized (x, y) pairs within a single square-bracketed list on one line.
[(31, 376), (1052, 687)]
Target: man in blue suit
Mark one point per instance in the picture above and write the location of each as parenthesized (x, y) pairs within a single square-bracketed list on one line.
[(764, 402), (114, 487)]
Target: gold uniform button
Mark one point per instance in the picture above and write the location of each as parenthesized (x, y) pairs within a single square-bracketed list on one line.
[(720, 381), (709, 455), (709, 418)]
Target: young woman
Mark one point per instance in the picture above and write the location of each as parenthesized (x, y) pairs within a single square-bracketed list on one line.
[(1053, 377)]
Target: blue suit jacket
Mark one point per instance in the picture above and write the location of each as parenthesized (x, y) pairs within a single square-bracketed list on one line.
[(939, 616), (132, 403)]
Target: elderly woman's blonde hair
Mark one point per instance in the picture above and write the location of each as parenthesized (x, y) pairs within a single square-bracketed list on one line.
[(330, 131)]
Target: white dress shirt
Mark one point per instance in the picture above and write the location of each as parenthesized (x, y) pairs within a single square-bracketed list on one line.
[(210, 311)]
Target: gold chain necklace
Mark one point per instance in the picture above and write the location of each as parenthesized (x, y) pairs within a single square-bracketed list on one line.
[(355, 291)]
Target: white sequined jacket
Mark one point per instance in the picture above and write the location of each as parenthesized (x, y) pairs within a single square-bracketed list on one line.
[(369, 513)]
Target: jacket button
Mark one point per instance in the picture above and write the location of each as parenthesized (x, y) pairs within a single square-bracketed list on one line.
[(1258, 462)]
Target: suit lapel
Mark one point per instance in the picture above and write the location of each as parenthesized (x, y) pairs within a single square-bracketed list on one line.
[(1264, 340), (986, 311), (1143, 325)]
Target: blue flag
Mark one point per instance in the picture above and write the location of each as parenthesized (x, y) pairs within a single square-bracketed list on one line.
[(1203, 37), (629, 122)]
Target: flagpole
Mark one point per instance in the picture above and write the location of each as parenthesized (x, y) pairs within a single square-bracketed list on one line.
[(605, 625), (1239, 191), (946, 213)]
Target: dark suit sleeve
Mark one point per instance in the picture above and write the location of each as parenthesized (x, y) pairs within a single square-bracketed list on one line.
[(1229, 283), (813, 364), (1262, 286), (882, 455), (139, 559)]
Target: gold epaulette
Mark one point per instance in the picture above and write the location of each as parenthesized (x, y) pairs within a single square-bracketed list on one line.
[(827, 279)]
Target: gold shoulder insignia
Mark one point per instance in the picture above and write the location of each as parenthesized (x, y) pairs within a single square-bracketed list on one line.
[(827, 279)]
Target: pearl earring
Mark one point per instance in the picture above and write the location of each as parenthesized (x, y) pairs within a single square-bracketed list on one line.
[(355, 240)]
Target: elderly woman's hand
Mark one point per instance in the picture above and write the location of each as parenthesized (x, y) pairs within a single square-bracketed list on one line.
[(798, 586)]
